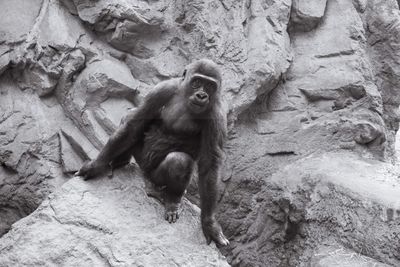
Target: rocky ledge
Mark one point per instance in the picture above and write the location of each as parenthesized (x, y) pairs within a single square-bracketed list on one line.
[(107, 222)]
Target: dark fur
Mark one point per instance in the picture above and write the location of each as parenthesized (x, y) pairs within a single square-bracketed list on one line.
[(166, 123)]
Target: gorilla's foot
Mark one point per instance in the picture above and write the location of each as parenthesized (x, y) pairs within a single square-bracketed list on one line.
[(154, 191), (171, 202), (172, 208)]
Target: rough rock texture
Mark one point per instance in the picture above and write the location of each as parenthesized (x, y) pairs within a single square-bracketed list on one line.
[(311, 91), (338, 256), (306, 15), (325, 200), (107, 222)]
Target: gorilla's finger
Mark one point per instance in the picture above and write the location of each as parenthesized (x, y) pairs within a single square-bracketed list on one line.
[(222, 240), (208, 240), (110, 173), (170, 218)]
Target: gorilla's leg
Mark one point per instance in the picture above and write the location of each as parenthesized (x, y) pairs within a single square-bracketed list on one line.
[(174, 172), (125, 157)]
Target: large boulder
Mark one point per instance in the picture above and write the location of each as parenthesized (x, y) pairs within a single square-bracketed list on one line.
[(312, 206), (247, 39), (107, 222)]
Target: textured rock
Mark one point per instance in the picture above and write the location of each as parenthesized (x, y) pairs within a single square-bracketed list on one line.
[(382, 19), (4, 62), (253, 54), (96, 88), (107, 223), (337, 256), (71, 162), (325, 200), (17, 19), (309, 88), (306, 15), (29, 150), (327, 100), (327, 92)]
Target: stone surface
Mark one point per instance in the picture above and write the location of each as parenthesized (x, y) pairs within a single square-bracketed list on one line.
[(71, 162), (338, 256), (107, 222), (101, 82), (306, 15), (238, 40), (331, 199), (30, 164), (311, 93), (382, 19), (17, 19)]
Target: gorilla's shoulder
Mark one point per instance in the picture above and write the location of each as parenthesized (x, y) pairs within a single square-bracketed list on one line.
[(171, 84)]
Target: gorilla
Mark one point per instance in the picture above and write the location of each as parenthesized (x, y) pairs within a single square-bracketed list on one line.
[(179, 123)]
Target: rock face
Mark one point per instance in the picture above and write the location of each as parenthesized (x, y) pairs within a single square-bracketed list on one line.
[(107, 222), (329, 200), (306, 15), (311, 91)]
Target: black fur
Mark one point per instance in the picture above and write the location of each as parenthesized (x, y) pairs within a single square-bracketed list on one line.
[(173, 128)]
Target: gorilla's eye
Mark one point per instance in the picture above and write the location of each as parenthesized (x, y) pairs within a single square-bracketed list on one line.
[(210, 87), (196, 83)]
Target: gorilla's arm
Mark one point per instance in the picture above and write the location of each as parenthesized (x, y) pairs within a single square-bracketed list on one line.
[(131, 131), (209, 163)]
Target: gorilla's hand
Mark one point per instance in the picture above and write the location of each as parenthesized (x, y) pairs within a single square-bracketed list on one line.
[(91, 169), (213, 232)]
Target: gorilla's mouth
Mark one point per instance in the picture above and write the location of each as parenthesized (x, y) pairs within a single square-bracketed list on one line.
[(198, 103)]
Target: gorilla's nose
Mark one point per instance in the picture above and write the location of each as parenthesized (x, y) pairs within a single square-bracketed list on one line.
[(201, 95)]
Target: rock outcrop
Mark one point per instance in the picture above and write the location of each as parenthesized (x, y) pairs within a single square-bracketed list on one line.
[(107, 222), (311, 91), (322, 202)]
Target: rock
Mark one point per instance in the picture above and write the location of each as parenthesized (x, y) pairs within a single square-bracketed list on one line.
[(351, 90), (306, 15), (59, 29), (48, 52), (79, 143), (103, 79), (326, 199), (244, 38), (271, 123), (310, 90), (367, 133), (329, 256), (379, 17), (17, 19), (29, 150), (99, 85), (360, 5), (70, 160), (125, 26), (4, 62), (327, 78), (107, 222), (37, 79)]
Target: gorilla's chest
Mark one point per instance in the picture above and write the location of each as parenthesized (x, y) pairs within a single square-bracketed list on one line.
[(177, 119)]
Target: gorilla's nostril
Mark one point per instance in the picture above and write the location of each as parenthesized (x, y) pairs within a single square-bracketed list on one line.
[(201, 96)]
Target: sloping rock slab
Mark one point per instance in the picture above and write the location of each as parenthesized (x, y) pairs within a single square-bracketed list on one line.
[(332, 256), (107, 222)]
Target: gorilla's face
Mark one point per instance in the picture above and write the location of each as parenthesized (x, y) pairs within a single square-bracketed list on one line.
[(201, 89)]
